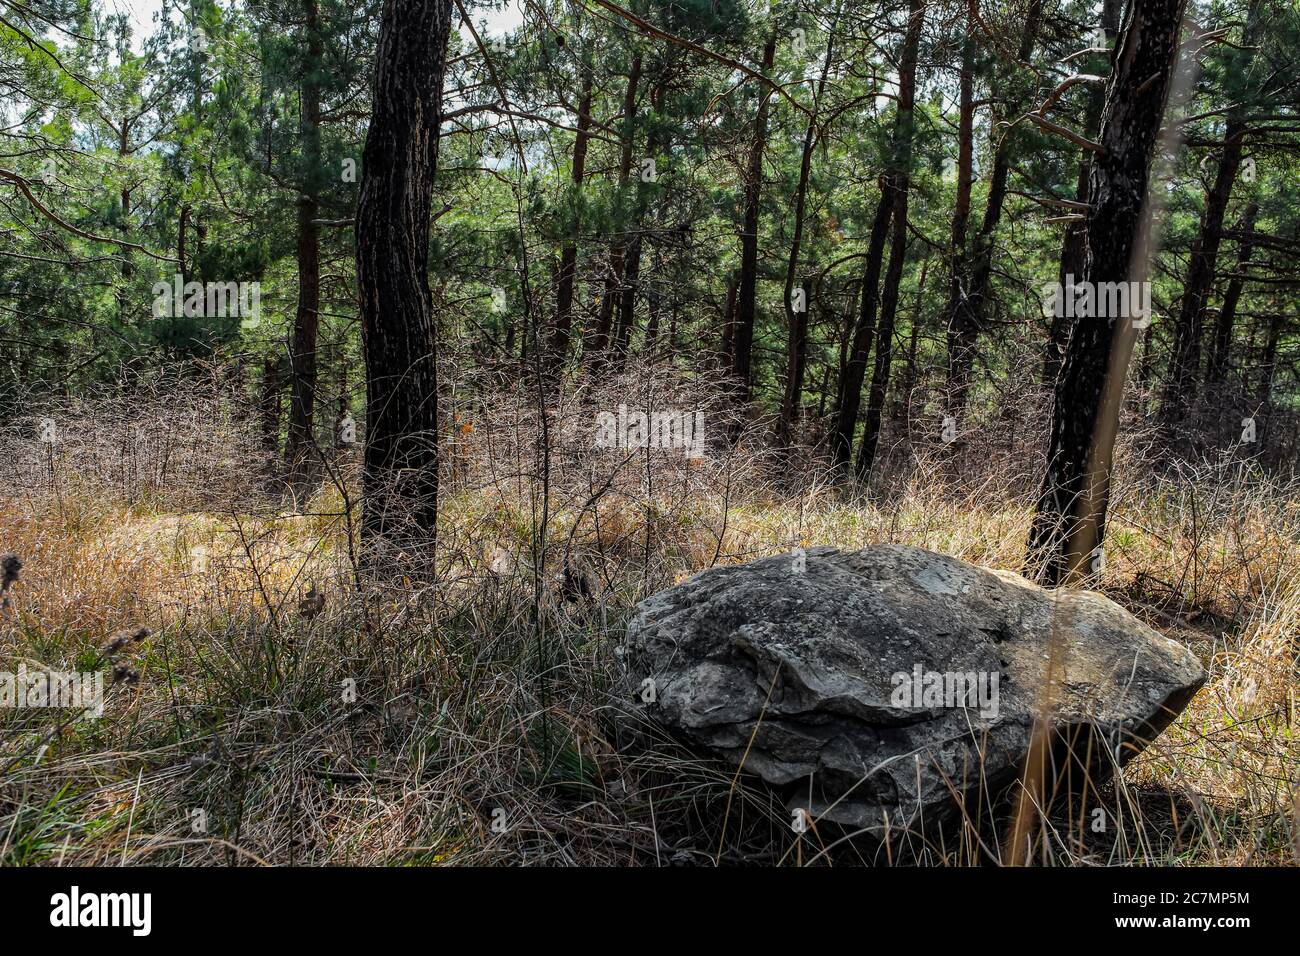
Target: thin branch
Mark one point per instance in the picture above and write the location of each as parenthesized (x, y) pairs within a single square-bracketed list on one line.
[(1046, 124), (23, 188), (651, 30)]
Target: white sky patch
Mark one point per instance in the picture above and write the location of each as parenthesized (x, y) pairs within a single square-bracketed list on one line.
[(141, 14), (500, 19)]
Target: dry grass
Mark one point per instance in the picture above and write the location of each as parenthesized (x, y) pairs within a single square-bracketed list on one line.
[(476, 721)]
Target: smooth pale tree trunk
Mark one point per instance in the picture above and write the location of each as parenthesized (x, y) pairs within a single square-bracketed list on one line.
[(747, 291), (400, 472), (300, 442), (1069, 523)]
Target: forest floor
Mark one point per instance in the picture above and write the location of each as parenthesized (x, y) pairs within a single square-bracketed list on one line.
[(478, 721)]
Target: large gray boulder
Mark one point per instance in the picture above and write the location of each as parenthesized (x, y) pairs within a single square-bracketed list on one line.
[(871, 685)]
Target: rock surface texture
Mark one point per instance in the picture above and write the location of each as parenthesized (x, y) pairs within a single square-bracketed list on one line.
[(872, 685)]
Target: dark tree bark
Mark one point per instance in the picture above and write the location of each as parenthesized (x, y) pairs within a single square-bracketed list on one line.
[(269, 413), (903, 394), (729, 323), (568, 277), (654, 305), (853, 369), (747, 292), (897, 186), (1218, 363), (400, 474), (124, 149), (1184, 369), (797, 322), (1185, 364), (300, 442), (1073, 243), (955, 313), (1267, 373), (618, 252), (797, 358), (632, 258), (884, 353), (972, 319), (1070, 518), (182, 239)]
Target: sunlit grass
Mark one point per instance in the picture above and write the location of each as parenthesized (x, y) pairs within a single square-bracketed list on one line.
[(392, 726)]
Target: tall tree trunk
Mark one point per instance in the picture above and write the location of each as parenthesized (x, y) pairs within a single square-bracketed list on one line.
[(269, 413), (563, 325), (1070, 519), (1267, 373), (797, 359), (974, 317), (124, 150), (654, 305), (1073, 243), (632, 259), (300, 443), (797, 321), (897, 186), (1184, 368), (400, 472), (729, 322), (1222, 345), (903, 399), (1185, 364), (609, 299), (853, 368), (182, 238), (747, 293), (960, 324)]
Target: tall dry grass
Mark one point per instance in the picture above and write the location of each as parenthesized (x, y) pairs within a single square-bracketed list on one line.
[(286, 708)]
